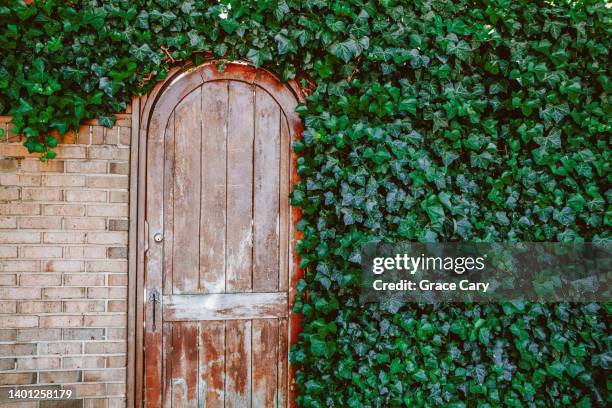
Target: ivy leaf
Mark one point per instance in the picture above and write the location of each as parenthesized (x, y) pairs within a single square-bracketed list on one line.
[(346, 50)]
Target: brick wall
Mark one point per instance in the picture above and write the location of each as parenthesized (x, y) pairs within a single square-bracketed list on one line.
[(63, 267)]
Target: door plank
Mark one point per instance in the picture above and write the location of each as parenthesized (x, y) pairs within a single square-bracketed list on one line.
[(212, 363), (184, 381), (283, 356), (153, 262), (168, 186), (229, 306), (167, 370), (265, 363), (239, 187), (186, 249), (238, 364), (266, 195), (212, 213), (284, 208)]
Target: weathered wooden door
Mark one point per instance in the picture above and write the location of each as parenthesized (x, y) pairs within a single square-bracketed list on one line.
[(218, 241)]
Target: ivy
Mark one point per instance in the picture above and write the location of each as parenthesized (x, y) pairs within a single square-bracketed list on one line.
[(428, 120)]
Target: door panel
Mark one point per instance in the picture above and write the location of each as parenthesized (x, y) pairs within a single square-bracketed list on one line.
[(217, 333)]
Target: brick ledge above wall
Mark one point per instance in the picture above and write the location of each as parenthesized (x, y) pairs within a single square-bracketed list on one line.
[(63, 266)]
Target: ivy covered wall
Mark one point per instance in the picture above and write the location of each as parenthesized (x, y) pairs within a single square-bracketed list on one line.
[(427, 120)]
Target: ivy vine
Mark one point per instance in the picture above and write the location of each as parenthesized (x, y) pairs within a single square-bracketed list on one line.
[(430, 120)]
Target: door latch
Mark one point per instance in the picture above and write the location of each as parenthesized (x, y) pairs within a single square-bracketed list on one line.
[(155, 299)]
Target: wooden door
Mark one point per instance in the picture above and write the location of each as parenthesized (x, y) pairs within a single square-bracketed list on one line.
[(218, 241)]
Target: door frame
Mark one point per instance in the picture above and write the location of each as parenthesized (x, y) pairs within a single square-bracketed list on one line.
[(287, 94)]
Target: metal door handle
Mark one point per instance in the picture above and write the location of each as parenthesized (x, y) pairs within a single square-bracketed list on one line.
[(154, 298)]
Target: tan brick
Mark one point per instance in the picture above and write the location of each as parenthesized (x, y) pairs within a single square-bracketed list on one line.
[(19, 321), (64, 237), (9, 193), (8, 334), (116, 292), (8, 222), (97, 135), (38, 363), (19, 237), (7, 364), (87, 390), (87, 252), (41, 252), (118, 197), (84, 334), (84, 362), (40, 307), (63, 348), (107, 266), (41, 194), (11, 307), (17, 378), (125, 135), (107, 210), (63, 266), (40, 222), (118, 225), (63, 180), (85, 279), (113, 333), (89, 166), (63, 293), (71, 152), (20, 180), (85, 223), (60, 377), (8, 252), (93, 252), (116, 388), (118, 168), (108, 152), (116, 402), (14, 149), (8, 279), (19, 266), (19, 209), (106, 238), (110, 181), (84, 134), (111, 136), (117, 253), (19, 293), (75, 306), (9, 165), (51, 166), (75, 210), (61, 321), (117, 306), (39, 334), (105, 347), (104, 321), (36, 166), (117, 279), (18, 349), (116, 361), (92, 196), (117, 374), (40, 279)]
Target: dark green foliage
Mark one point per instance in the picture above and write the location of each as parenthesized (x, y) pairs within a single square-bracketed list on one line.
[(429, 120)]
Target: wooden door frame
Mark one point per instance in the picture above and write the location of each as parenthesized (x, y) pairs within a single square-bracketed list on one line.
[(287, 94)]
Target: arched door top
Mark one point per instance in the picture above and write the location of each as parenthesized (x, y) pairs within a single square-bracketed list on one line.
[(182, 81)]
